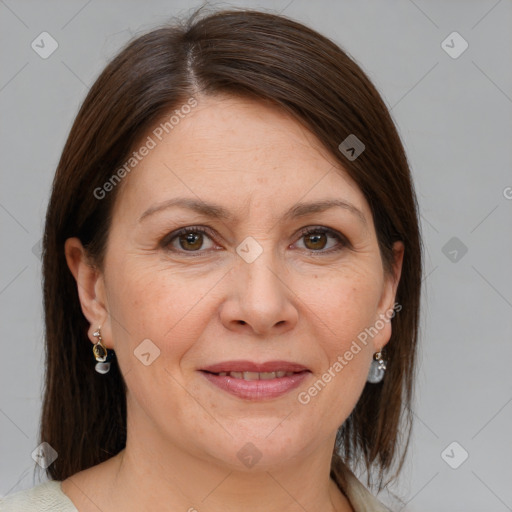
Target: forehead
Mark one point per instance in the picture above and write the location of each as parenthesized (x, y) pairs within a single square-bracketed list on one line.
[(236, 150)]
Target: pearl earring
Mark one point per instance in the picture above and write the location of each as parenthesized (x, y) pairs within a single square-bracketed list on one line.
[(377, 369)]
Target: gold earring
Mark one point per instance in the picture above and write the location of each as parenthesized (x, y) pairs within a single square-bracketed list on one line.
[(101, 353)]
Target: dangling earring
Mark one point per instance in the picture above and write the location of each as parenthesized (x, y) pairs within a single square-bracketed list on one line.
[(377, 368), (102, 354)]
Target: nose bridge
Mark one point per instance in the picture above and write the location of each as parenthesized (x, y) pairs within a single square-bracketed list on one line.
[(262, 298), (257, 268)]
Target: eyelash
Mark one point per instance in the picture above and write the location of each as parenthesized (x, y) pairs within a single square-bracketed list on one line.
[(342, 241)]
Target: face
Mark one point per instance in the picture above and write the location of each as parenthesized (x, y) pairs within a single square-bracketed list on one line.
[(257, 280)]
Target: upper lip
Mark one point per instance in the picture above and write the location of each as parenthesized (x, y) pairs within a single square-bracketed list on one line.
[(251, 366)]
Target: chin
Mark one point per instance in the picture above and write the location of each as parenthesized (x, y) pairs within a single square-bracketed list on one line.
[(266, 446)]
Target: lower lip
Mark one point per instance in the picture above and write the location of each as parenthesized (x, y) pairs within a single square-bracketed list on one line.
[(257, 389)]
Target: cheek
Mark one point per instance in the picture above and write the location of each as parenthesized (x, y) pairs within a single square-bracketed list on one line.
[(345, 302), (341, 309), (155, 304), (151, 302)]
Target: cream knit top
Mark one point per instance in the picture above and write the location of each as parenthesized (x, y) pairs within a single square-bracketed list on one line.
[(48, 497)]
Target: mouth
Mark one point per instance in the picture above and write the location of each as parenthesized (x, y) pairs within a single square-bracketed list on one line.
[(256, 381)]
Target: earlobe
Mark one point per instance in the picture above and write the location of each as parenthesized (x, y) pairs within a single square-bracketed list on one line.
[(89, 280)]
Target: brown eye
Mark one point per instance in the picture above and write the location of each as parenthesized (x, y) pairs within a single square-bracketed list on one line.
[(316, 239), (191, 240)]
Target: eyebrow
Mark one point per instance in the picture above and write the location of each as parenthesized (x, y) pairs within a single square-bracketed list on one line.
[(218, 212)]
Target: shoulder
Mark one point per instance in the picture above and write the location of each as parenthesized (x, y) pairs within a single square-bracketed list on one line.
[(44, 497), (361, 499)]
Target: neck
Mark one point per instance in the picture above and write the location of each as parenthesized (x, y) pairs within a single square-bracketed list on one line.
[(181, 487), (154, 474)]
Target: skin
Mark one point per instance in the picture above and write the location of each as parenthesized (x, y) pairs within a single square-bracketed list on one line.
[(295, 302)]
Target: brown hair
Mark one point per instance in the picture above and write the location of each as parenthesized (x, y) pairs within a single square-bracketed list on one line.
[(262, 56)]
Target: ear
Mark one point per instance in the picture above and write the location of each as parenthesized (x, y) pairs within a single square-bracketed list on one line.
[(91, 287), (387, 309)]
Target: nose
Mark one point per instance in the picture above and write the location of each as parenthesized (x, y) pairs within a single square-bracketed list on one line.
[(260, 301)]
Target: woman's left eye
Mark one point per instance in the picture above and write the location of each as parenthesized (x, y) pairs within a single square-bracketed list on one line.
[(316, 239), (191, 240)]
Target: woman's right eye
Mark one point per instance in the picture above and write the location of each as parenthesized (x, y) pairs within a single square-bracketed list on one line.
[(190, 239)]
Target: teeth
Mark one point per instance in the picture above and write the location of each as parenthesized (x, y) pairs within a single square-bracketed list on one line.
[(256, 375), (251, 376)]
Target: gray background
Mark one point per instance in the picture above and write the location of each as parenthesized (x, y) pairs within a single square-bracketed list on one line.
[(454, 117)]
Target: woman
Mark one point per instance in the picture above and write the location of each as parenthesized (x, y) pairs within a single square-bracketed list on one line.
[(233, 231)]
